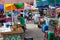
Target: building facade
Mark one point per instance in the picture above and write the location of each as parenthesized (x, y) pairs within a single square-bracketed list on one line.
[(15, 1)]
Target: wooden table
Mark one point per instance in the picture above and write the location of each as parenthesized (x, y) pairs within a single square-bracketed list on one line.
[(13, 35)]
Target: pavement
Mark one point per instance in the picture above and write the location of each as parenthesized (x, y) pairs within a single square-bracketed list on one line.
[(34, 31)]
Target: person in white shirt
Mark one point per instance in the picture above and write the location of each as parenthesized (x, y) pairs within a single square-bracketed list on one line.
[(36, 18)]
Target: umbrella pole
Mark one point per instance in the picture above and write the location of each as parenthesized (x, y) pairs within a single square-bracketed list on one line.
[(55, 8), (12, 14)]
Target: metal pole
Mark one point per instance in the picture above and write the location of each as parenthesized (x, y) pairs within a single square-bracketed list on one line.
[(55, 8), (12, 13)]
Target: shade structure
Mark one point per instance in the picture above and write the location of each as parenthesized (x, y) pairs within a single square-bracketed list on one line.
[(58, 5), (41, 0), (42, 5), (20, 8), (1, 7), (19, 5), (53, 1), (28, 6), (58, 9), (9, 7), (52, 7)]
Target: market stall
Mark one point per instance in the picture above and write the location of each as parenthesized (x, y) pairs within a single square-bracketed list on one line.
[(9, 29), (12, 33)]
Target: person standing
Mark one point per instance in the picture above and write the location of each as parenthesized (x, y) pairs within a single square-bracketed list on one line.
[(22, 21), (59, 22), (41, 13), (36, 18), (29, 16)]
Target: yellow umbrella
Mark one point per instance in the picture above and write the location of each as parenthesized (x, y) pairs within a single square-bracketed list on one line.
[(6, 5), (9, 7)]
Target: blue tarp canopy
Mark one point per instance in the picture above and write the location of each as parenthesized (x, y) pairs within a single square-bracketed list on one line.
[(53, 1), (42, 5), (56, 5), (1, 7)]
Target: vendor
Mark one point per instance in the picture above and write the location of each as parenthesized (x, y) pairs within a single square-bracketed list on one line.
[(2, 16), (41, 13), (44, 24), (22, 21)]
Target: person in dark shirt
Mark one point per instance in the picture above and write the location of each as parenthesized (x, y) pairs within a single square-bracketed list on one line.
[(2, 16), (41, 12)]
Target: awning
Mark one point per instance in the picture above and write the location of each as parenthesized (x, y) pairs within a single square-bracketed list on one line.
[(1, 7), (20, 9), (19, 5), (53, 1), (28, 6), (13, 6), (57, 5), (58, 9), (42, 4), (9, 7)]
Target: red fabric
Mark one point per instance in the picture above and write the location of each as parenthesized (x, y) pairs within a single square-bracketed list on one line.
[(45, 35), (53, 13), (20, 8), (30, 18), (55, 31)]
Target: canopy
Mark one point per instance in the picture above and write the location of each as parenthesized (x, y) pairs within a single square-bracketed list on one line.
[(6, 5), (1, 7), (43, 3), (51, 7), (53, 1), (9, 7), (58, 9), (19, 5), (41, 0), (20, 9), (28, 6), (56, 5)]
